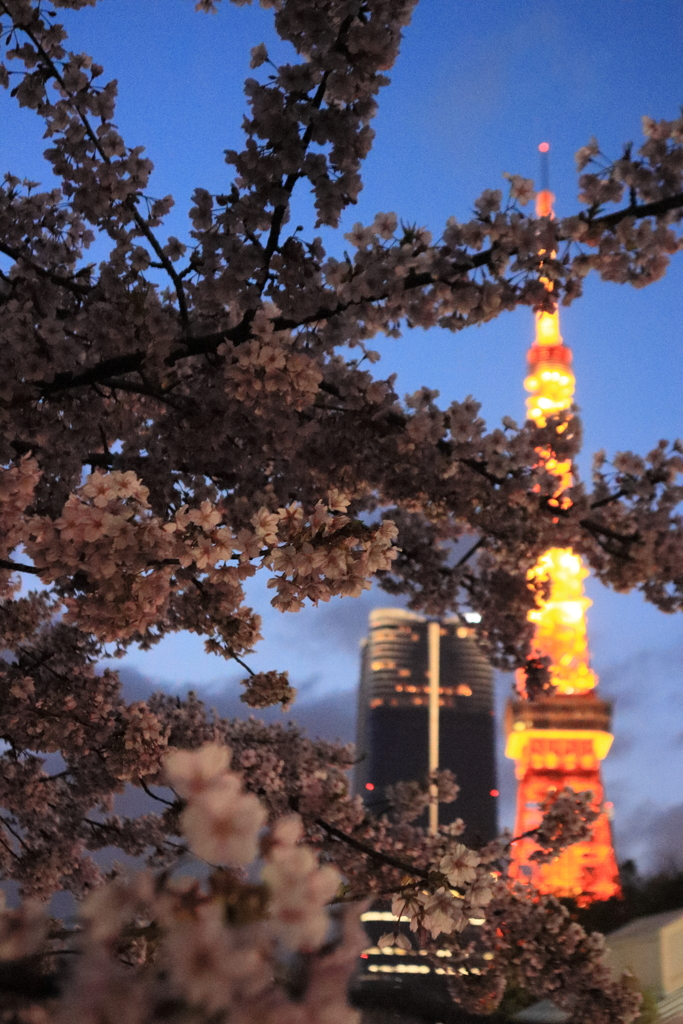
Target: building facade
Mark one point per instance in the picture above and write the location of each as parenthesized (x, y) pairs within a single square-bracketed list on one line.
[(393, 719), (393, 744)]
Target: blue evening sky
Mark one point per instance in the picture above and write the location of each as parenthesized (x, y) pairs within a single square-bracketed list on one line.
[(478, 84)]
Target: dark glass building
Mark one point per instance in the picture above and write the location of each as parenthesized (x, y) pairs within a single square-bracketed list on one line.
[(393, 746), (392, 737)]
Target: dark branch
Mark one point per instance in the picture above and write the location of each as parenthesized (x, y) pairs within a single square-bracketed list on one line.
[(468, 554), (605, 531), (382, 858), (161, 799), (609, 499), (140, 222), (48, 275), (654, 209), (19, 567)]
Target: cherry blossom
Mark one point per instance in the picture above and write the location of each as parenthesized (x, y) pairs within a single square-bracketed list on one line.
[(191, 411)]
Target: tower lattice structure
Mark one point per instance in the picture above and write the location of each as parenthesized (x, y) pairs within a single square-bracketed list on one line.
[(560, 740)]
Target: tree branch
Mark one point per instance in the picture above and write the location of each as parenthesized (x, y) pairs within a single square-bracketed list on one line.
[(48, 275), (148, 791), (139, 220), (623, 538), (383, 858), (19, 567), (609, 499), (468, 554)]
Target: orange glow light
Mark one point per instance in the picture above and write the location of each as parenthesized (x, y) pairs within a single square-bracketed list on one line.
[(561, 621)]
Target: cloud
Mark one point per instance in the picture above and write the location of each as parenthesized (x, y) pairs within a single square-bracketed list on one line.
[(649, 674), (641, 777), (329, 716), (652, 835)]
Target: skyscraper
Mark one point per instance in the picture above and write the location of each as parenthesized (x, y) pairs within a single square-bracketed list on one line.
[(393, 715), (395, 743)]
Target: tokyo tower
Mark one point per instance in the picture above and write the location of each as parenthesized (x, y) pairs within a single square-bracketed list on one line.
[(560, 740)]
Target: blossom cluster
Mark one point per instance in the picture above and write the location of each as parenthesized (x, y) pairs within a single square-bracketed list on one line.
[(191, 411), (226, 945), (567, 819), (203, 948), (124, 573)]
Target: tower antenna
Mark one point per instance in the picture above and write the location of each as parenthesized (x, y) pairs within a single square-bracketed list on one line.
[(544, 197), (544, 150)]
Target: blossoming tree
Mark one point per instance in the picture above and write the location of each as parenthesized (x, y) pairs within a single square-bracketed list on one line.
[(162, 442)]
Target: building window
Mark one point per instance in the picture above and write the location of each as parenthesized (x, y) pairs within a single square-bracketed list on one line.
[(463, 690), (376, 702), (382, 664), (404, 673)]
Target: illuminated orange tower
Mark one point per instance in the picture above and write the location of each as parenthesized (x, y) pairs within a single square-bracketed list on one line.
[(560, 740)]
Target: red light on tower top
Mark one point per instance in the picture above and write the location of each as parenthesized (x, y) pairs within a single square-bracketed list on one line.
[(544, 197)]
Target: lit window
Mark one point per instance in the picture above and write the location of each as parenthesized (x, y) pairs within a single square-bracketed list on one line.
[(399, 968), (399, 689), (382, 664), (376, 702), (404, 673), (463, 690)]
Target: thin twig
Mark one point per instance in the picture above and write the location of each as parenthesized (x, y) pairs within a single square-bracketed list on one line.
[(468, 555), (383, 858), (148, 791), (139, 220), (242, 663)]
